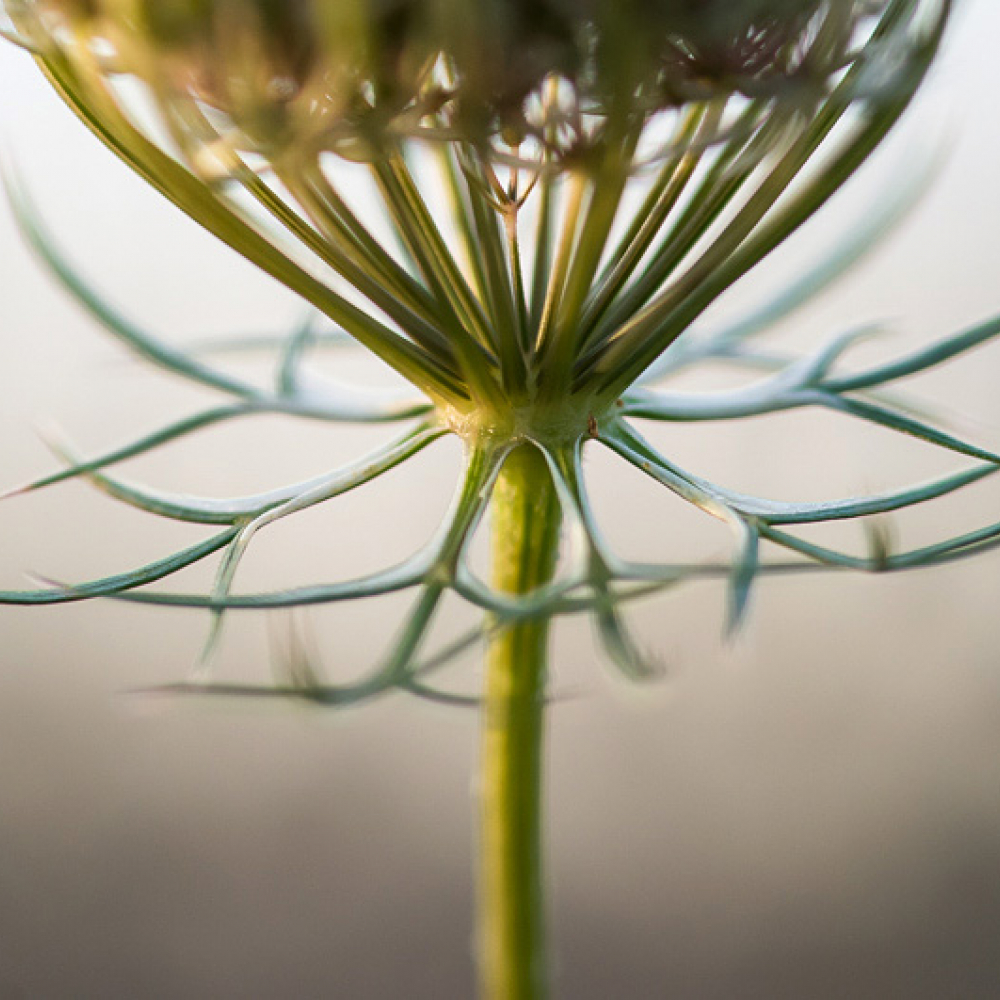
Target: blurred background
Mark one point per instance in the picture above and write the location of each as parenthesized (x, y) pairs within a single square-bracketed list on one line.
[(810, 812)]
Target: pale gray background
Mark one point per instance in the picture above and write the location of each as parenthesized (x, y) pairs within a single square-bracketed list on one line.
[(813, 813)]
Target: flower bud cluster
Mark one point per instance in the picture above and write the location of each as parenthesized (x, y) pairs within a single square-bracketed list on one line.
[(349, 75)]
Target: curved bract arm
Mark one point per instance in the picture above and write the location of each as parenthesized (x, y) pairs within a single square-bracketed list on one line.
[(592, 581)]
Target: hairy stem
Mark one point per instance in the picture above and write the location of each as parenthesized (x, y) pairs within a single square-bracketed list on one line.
[(526, 518)]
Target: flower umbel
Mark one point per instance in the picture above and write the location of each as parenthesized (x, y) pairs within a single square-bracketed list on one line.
[(541, 310), (606, 171)]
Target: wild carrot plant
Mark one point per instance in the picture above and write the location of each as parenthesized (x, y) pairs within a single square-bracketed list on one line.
[(569, 186)]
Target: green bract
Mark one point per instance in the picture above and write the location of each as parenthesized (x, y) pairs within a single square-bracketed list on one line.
[(539, 309)]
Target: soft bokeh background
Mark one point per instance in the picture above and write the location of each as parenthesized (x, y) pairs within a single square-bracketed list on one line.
[(813, 812)]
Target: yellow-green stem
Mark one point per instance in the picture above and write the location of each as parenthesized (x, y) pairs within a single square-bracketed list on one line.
[(511, 904)]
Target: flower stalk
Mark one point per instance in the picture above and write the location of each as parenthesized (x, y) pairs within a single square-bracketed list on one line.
[(526, 526)]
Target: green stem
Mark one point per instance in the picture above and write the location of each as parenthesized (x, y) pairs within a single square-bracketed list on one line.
[(526, 518)]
